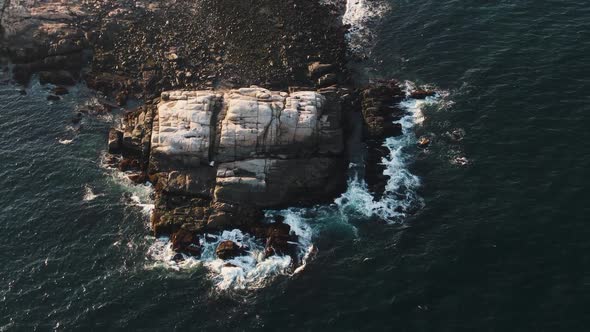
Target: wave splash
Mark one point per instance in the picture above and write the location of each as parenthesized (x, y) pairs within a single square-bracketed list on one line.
[(250, 271)]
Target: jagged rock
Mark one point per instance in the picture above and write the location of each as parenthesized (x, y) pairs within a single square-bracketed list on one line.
[(327, 80), (422, 94), (138, 177), (228, 250), (186, 240), (317, 69), (423, 142), (279, 239), (137, 132), (115, 140), (229, 216)]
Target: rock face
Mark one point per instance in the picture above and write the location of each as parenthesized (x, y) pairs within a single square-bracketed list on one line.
[(220, 157)]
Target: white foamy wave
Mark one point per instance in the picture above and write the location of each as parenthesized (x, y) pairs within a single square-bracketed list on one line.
[(89, 194), (139, 195), (362, 15), (250, 271), (66, 141), (400, 194)]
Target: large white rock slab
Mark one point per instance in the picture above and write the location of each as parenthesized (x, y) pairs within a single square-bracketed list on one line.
[(259, 122), (184, 125)]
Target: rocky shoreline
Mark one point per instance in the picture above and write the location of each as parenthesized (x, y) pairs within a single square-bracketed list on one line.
[(246, 105)]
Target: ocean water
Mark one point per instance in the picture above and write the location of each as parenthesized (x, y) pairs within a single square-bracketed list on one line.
[(498, 237)]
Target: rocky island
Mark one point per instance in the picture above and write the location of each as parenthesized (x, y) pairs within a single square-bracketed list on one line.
[(245, 105)]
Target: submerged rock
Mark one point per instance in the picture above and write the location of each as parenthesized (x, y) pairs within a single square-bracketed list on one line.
[(423, 142)]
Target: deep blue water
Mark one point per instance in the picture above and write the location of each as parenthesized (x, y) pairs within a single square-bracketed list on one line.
[(501, 244)]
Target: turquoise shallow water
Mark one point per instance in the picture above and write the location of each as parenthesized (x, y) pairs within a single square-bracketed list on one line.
[(501, 244)]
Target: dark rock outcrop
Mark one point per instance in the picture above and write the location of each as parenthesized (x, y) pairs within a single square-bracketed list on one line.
[(228, 250), (186, 240)]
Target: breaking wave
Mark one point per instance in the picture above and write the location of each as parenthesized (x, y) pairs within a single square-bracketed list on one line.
[(250, 271), (89, 194)]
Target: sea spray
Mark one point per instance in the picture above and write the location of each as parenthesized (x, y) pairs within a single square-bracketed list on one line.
[(89, 194)]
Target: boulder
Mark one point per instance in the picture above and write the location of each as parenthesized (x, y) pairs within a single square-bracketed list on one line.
[(115, 140), (186, 240), (137, 177), (327, 80), (228, 250), (422, 94), (279, 240), (423, 142), (317, 69), (218, 158)]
